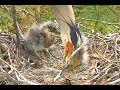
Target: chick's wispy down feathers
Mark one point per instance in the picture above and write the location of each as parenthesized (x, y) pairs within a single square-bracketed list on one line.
[(38, 37)]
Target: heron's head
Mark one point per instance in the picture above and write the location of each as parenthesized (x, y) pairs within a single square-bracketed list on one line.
[(74, 39)]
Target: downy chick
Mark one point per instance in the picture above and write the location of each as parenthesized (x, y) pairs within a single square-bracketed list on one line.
[(39, 37)]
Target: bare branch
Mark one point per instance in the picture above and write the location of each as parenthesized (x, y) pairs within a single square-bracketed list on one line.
[(37, 13), (13, 11)]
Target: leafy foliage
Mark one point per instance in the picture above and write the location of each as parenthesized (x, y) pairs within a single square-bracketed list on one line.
[(90, 18), (108, 20)]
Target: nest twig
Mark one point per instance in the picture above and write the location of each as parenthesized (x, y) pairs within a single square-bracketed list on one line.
[(104, 52)]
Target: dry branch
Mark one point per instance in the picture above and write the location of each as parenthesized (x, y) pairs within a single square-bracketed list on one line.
[(13, 11)]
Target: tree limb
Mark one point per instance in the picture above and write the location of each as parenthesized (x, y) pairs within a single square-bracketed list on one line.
[(13, 13)]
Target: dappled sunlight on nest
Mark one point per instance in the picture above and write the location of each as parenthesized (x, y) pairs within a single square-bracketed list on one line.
[(104, 53)]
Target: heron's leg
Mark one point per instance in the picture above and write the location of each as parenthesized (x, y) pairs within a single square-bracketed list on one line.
[(73, 63), (66, 54), (68, 50)]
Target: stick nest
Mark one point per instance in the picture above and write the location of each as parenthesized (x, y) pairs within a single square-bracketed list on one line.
[(26, 69)]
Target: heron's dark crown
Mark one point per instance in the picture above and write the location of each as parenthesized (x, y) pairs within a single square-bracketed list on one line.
[(75, 35)]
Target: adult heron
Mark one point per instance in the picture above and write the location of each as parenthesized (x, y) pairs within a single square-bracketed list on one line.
[(70, 34)]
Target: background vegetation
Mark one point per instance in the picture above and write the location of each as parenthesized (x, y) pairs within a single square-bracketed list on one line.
[(90, 18)]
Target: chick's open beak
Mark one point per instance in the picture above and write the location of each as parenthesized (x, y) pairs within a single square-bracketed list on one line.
[(68, 50)]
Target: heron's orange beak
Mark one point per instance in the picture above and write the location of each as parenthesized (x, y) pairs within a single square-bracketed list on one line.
[(68, 50)]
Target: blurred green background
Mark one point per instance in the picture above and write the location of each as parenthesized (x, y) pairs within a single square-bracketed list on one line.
[(103, 19)]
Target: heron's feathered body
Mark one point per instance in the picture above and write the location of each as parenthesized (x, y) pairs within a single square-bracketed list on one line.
[(62, 18), (70, 34)]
